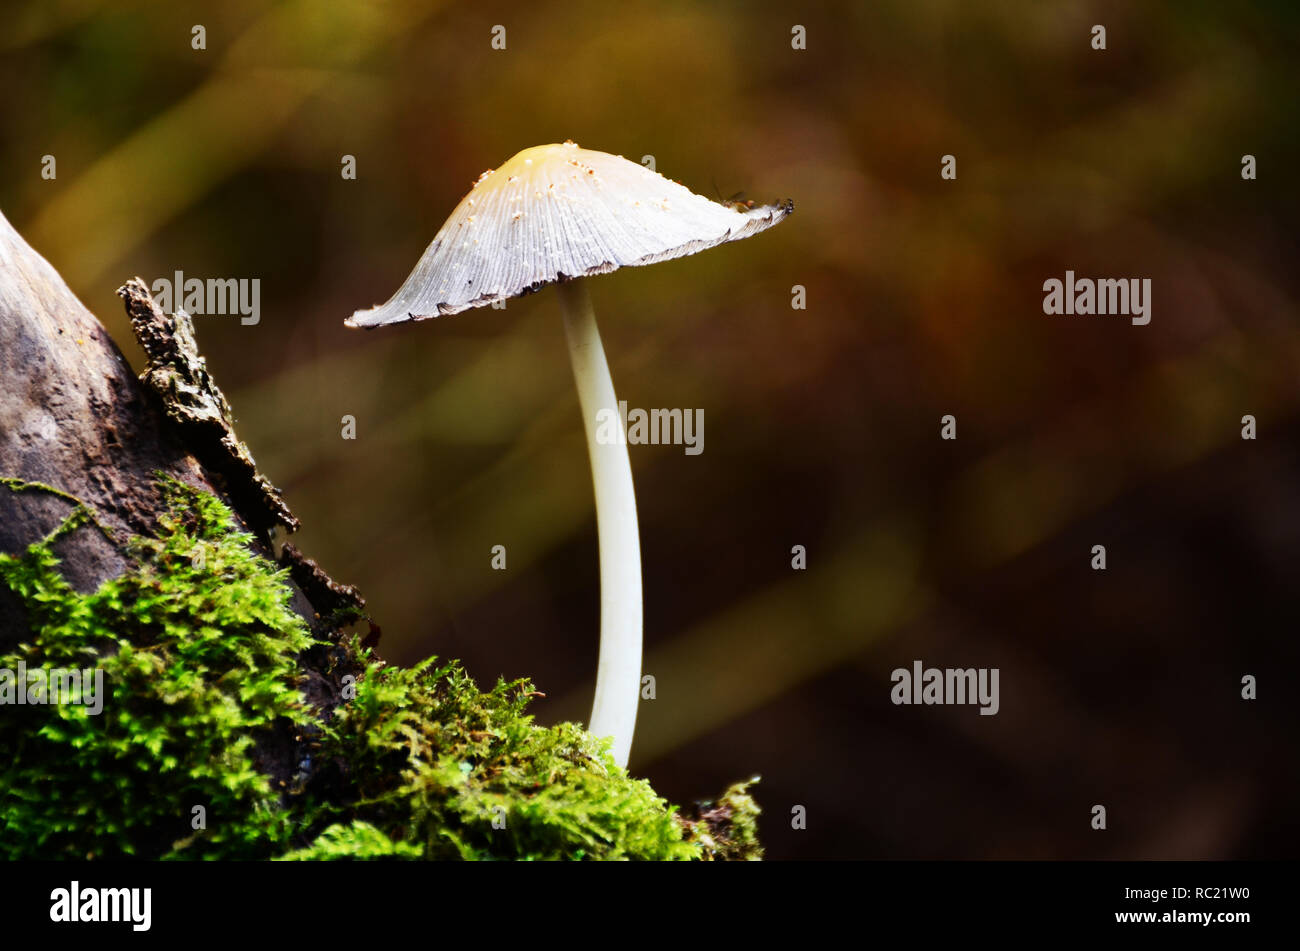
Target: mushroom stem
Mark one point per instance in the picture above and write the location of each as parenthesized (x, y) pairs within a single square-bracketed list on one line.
[(618, 676)]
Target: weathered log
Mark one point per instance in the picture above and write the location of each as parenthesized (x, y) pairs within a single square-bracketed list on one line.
[(77, 425), (72, 417)]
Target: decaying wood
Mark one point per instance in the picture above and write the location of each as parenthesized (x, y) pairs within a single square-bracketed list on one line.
[(72, 416), (198, 409), (76, 421), (75, 418)]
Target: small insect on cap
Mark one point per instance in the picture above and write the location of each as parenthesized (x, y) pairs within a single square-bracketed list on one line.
[(557, 212)]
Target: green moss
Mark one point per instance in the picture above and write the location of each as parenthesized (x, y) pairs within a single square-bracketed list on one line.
[(461, 773), (726, 829), (354, 842), (202, 661), (197, 646)]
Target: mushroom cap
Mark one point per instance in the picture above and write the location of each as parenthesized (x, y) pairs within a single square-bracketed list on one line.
[(557, 212)]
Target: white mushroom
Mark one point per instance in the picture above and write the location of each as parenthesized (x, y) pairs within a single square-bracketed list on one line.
[(551, 215)]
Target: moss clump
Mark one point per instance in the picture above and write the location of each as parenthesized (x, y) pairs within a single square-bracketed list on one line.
[(460, 773), (726, 829), (203, 670), (197, 646)]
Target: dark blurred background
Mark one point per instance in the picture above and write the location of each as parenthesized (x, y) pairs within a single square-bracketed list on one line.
[(924, 298)]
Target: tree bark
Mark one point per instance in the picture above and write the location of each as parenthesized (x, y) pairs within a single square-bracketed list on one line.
[(73, 417), (75, 420)]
